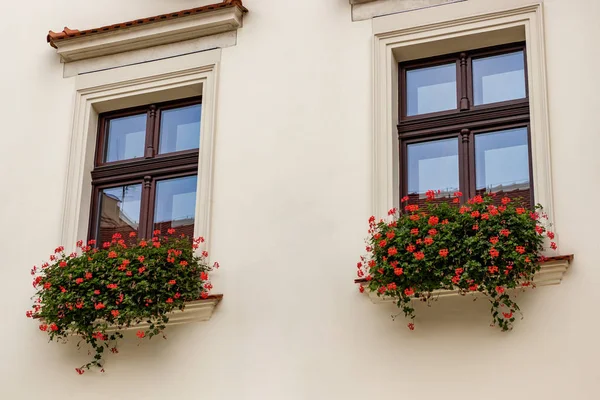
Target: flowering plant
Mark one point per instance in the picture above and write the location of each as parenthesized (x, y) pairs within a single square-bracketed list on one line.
[(474, 247), (98, 292)]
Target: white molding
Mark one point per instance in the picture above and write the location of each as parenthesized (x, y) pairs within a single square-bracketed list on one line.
[(367, 9), (195, 311), (172, 78), (149, 35), (461, 24), (551, 273), (220, 40)]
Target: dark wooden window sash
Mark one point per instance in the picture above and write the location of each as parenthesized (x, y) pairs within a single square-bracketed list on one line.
[(146, 170), (463, 122)]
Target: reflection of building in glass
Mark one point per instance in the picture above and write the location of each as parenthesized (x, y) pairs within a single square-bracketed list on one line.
[(521, 191), (113, 219)]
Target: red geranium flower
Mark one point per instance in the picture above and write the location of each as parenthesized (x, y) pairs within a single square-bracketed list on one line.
[(99, 306), (392, 251), (112, 254), (172, 282), (444, 252), (419, 255), (409, 291), (494, 253), (398, 271), (140, 334)]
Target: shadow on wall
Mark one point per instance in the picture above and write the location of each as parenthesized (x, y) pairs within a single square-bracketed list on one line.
[(134, 353), (451, 316)]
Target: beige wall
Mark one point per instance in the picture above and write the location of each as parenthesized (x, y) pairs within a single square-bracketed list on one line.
[(291, 200)]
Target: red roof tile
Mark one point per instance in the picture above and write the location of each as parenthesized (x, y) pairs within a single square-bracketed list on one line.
[(67, 33)]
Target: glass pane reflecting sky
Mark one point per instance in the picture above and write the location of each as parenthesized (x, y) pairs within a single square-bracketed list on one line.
[(433, 165), (126, 138), (502, 159), (499, 78), (431, 89), (180, 129)]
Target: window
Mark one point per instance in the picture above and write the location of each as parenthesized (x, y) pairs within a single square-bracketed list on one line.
[(145, 173), (464, 125)]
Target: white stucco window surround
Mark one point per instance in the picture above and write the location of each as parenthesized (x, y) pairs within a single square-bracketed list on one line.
[(442, 30), (158, 81)]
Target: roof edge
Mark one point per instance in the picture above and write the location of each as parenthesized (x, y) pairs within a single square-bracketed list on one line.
[(53, 37)]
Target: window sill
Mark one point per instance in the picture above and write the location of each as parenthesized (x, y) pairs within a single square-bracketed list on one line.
[(551, 273), (195, 311)]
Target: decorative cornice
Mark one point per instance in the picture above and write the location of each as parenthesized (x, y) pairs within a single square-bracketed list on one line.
[(74, 45), (551, 273)]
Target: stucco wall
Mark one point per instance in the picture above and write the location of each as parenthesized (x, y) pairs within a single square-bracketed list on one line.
[(291, 200)]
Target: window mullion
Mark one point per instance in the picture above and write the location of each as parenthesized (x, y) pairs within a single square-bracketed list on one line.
[(150, 151), (465, 163), (143, 230), (464, 99)]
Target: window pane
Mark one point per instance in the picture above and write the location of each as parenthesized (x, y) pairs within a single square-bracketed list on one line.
[(431, 89), (502, 163), (176, 205), (180, 129), (432, 166), (499, 78), (119, 211), (126, 138)]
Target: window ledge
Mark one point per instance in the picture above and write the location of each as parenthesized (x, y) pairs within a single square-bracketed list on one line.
[(74, 45), (195, 311), (551, 273)]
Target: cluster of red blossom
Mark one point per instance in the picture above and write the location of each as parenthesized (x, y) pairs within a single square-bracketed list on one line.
[(382, 239), (90, 250)]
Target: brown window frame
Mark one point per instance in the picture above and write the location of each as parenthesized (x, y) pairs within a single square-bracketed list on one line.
[(146, 170), (465, 121)]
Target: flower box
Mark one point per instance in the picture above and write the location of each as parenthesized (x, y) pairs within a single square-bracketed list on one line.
[(195, 311), (551, 273)]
